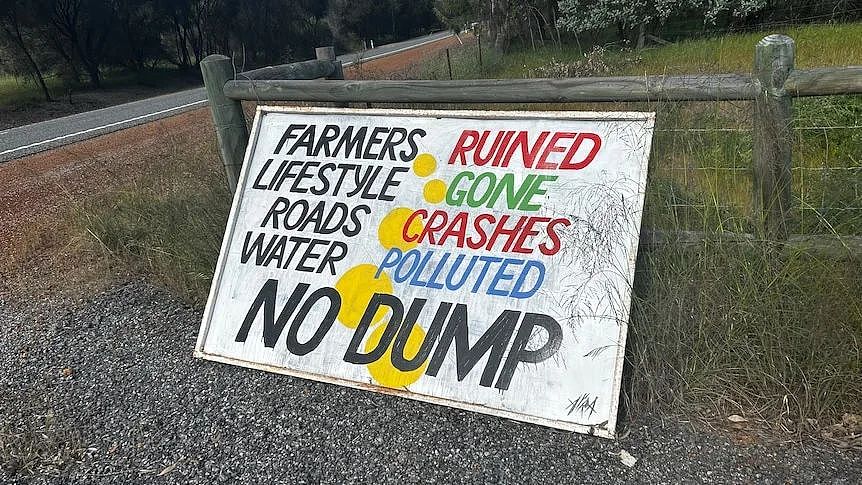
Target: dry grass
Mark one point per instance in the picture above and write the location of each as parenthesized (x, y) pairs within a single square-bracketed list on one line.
[(168, 225), (35, 443), (740, 328)]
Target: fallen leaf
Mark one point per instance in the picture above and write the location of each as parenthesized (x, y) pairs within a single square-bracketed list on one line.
[(170, 467), (626, 458), (847, 434)]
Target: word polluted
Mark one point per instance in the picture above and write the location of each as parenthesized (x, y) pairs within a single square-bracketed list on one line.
[(512, 330)]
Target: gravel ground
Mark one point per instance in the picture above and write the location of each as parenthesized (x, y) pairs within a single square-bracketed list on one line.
[(110, 386)]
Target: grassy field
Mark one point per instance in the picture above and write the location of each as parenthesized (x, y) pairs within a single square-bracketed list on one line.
[(717, 328), (17, 90), (24, 91), (816, 45)]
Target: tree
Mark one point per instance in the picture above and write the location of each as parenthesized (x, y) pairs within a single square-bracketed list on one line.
[(138, 42), (592, 15), (458, 14), (383, 21), (584, 15), (532, 20), (18, 29), (83, 29)]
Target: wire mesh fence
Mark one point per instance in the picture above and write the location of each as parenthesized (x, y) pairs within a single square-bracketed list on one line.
[(701, 175)]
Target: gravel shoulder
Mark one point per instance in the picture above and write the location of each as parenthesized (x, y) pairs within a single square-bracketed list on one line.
[(108, 390)]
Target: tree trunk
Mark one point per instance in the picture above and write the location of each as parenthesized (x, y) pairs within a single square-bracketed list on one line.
[(90, 65), (641, 35), (37, 73), (94, 74), (34, 68), (67, 57), (499, 27)]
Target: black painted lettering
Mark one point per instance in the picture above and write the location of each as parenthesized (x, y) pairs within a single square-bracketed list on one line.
[(272, 326), (293, 344), (288, 135), (519, 346), (391, 183), (353, 355), (492, 342), (399, 360)]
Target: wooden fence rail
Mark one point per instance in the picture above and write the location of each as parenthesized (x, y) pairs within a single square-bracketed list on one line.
[(772, 84), (716, 87), (228, 117)]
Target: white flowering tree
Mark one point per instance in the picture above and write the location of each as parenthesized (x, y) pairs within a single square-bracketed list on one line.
[(578, 16)]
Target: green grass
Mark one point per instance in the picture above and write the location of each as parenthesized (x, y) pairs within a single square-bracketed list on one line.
[(817, 45), (716, 328), (15, 90), (731, 328)]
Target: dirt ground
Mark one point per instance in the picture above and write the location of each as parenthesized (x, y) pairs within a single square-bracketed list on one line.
[(393, 67), (39, 193)]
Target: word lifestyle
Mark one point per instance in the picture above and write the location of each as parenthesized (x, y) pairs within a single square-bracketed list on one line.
[(478, 260)]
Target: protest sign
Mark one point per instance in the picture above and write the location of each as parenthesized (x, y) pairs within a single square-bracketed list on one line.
[(480, 260)]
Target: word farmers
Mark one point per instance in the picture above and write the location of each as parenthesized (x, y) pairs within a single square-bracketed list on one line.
[(362, 142)]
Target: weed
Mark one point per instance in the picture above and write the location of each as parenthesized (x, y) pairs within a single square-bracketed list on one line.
[(737, 328)]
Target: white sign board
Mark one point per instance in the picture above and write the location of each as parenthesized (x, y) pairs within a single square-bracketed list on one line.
[(480, 260)]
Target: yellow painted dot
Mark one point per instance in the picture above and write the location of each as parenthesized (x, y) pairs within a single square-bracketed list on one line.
[(424, 165), (434, 191), (390, 232), (382, 369), (356, 288)]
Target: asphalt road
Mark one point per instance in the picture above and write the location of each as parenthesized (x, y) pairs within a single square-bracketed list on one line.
[(29, 139)]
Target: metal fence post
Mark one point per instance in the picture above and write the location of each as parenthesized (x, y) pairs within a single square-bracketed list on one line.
[(228, 117), (773, 137), (449, 63)]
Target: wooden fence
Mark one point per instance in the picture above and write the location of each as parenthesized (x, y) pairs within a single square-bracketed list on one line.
[(772, 85)]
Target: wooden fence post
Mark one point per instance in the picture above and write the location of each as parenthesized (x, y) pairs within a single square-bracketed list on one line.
[(773, 136), (228, 117), (327, 53)]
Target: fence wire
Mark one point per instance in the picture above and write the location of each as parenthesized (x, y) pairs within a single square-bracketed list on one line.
[(701, 173)]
